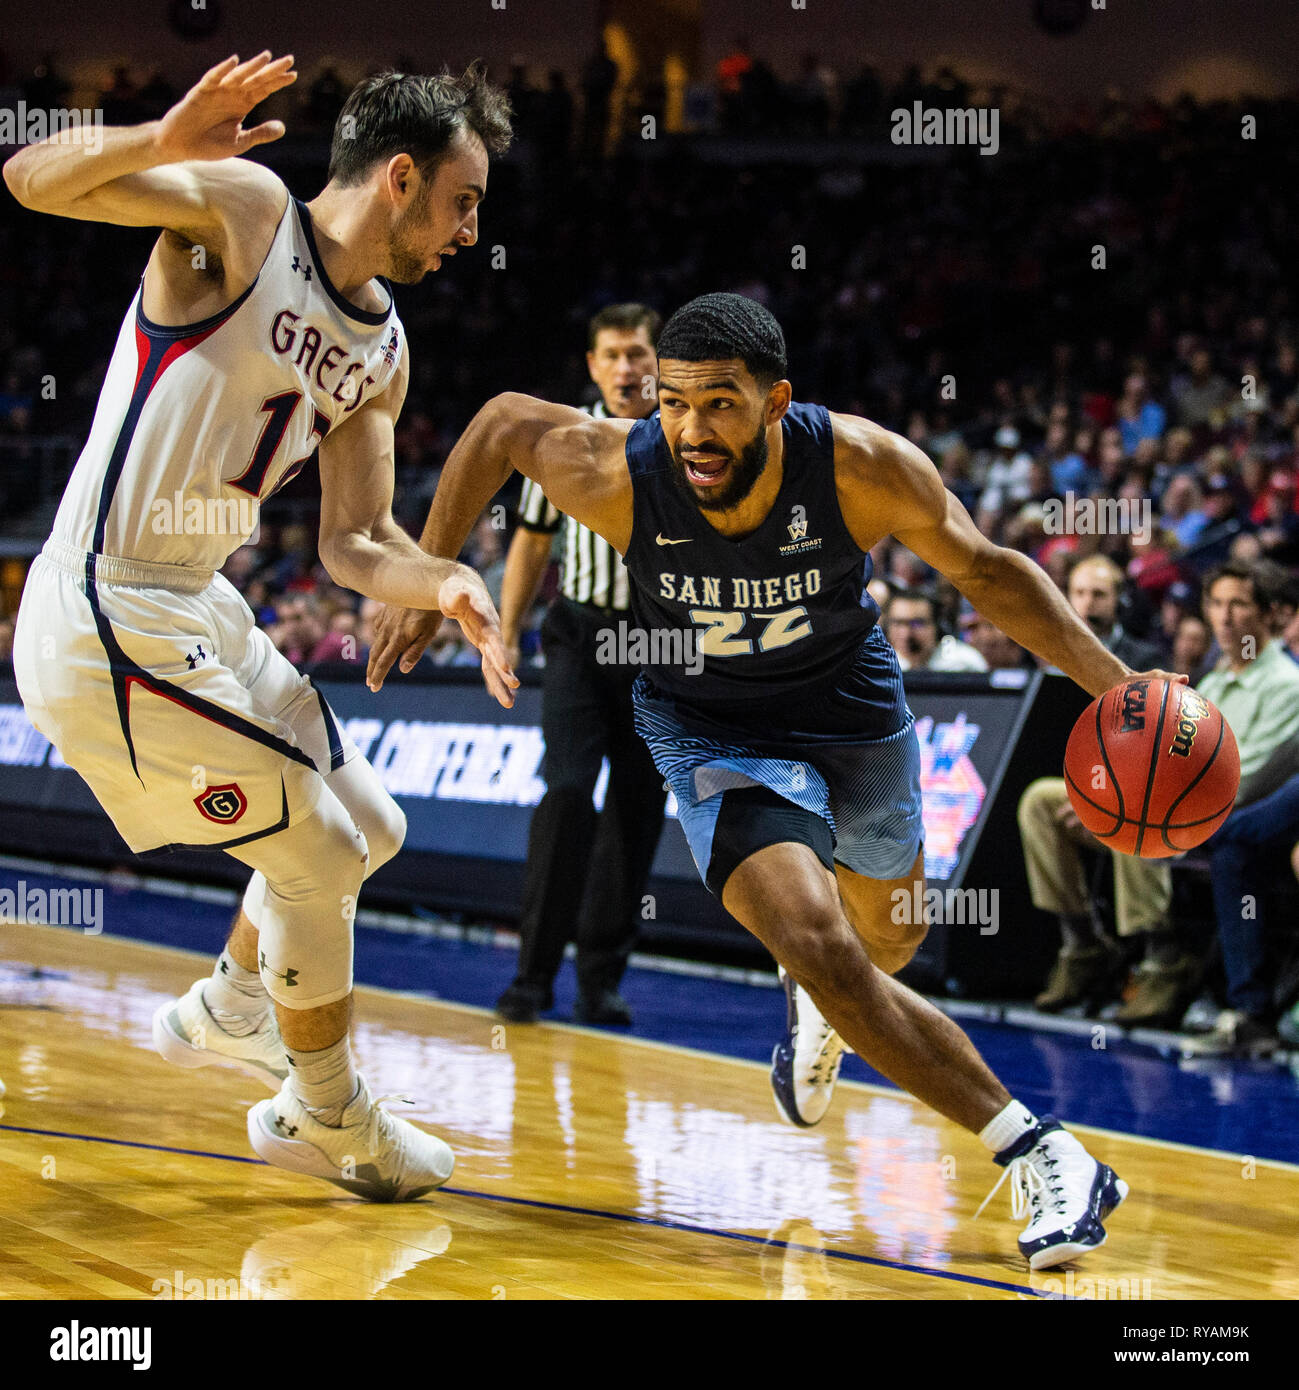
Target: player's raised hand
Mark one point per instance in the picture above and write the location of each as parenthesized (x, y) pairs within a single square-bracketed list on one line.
[(464, 597), (207, 122), (400, 634)]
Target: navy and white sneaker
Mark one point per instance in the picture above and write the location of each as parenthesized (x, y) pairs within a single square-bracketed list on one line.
[(1063, 1190), (805, 1064)]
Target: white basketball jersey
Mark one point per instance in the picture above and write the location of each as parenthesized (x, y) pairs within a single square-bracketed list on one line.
[(197, 425)]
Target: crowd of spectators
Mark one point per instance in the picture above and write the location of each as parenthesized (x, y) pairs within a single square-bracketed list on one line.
[(959, 303)]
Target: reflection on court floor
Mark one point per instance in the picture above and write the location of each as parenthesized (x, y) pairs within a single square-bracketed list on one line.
[(589, 1166)]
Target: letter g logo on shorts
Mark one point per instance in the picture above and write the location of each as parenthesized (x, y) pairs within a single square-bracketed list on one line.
[(222, 804)]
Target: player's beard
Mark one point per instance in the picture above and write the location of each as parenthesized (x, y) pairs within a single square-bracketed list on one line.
[(745, 472), (406, 263)]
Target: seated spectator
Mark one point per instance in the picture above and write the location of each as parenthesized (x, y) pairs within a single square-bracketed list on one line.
[(1138, 416), (1095, 584), (1283, 587), (911, 624), (1154, 567), (1179, 600), (298, 628), (1278, 524), (1255, 687), (340, 642), (1006, 480), (1246, 549), (999, 652), (1201, 396), (1257, 690), (1181, 510), (1111, 462), (1069, 468), (1192, 640)]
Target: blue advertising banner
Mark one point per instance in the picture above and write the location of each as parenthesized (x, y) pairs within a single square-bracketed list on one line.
[(468, 773)]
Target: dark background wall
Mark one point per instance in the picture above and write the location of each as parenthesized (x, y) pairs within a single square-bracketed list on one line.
[(1156, 47)]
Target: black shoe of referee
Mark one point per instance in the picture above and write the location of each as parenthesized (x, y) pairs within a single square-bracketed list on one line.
[(523, 1003), (607, 1007)]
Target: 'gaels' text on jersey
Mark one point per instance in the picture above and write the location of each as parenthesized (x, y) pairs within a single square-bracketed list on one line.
[(197, 425)]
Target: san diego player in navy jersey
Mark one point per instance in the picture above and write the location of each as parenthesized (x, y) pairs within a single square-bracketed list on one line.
[(263, 328), (745, 520)]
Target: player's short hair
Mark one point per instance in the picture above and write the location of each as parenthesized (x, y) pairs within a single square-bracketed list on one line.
[(401, 113), (719, 326), (628, 317)]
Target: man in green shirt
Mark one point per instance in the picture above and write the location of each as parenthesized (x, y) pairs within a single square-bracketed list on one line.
[(1256, 686)]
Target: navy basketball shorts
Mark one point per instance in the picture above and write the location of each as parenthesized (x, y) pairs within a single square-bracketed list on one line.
[(866, 789)]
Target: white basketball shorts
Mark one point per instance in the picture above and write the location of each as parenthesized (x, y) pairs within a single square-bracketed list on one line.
[(156, 685)]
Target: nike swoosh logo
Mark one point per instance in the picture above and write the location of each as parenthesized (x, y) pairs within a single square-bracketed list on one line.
[(663, 540)]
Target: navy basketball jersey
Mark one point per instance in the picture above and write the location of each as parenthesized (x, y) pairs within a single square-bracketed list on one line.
[(780, 610)]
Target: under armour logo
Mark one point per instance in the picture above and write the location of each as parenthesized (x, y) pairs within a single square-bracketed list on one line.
[(304, 270), (290, 977), (290, 1130), (196, 656)]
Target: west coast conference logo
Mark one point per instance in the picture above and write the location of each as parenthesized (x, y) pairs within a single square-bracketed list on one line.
[(798, 538)]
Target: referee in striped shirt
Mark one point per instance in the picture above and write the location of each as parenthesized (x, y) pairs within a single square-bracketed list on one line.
[(585, 876)]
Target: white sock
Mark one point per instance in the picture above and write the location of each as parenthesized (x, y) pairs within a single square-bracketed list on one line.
[(236, 997), (324, 1081), (1007, 1126)]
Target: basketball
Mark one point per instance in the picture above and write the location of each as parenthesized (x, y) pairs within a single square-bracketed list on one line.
[(1152, 768)]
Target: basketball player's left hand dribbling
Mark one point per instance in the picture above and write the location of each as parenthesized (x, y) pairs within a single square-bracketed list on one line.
[(206, 123)]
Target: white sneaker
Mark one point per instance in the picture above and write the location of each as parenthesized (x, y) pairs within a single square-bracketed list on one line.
[(805, 1064), (1062, 1189), (372, 1153), (186, 1034)]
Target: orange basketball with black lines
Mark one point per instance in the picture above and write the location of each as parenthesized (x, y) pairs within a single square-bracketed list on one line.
[(1152, 768)]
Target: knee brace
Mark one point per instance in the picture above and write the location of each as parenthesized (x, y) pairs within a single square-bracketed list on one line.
[(383, 823), (302, 900)]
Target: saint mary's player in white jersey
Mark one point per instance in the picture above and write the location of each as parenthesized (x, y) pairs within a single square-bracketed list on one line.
[(263, 328)]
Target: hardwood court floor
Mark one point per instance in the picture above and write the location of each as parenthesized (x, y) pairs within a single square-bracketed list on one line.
[(589, 1166)]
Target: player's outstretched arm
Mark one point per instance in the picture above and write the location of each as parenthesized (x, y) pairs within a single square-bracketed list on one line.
[(152, 175), (577, 461), (889, 487), (179, 173), (364, 549)]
